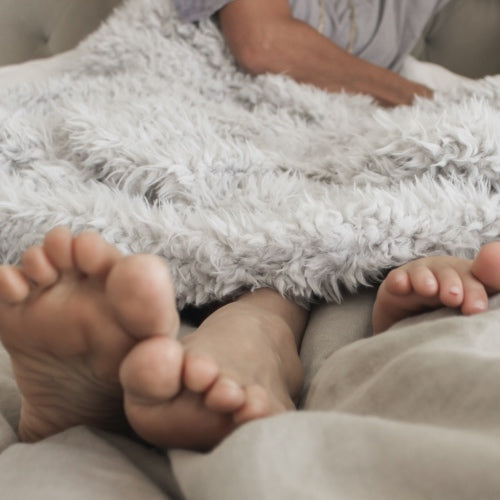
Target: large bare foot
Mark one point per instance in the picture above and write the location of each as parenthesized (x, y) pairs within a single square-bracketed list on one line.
[(433, 282), (241, 364), (68, 317)]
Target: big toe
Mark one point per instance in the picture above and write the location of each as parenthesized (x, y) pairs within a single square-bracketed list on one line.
[(151, 373), (486, 266)]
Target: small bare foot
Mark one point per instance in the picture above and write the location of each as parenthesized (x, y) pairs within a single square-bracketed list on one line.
[(433, 282), (68, 317), (241, 364)]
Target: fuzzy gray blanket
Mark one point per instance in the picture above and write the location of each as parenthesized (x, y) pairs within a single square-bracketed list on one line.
[(156, 140)]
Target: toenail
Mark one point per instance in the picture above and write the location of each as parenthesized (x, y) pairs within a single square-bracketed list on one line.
[(455, 290), (480, 305), (231, 385)]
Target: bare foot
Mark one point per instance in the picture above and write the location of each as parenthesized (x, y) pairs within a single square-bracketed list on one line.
[(240, 365), (68, 317), (433, 282)]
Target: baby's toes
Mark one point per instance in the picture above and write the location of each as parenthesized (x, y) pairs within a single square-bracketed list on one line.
[(423, 281), (398, 282), (475, 296), (451, 289)]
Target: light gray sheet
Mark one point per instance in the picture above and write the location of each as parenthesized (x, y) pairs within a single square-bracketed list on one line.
[(410, 414)]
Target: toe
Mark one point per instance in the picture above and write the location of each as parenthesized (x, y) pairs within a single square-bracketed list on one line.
[(226, 395), (486, 266), (14, 285), (398, 282), (58, 246), (451, 292), (38, 267), (200, 372), (151, 372), (93, 255), (423, 281), (141, 292), (258, 404), (475, 296)]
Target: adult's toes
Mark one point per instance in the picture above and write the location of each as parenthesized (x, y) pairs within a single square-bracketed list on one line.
[(226, 395), (14, 285), (38, 267), (258, 404), (93, 255), (200, 372), (152, 371), (58, 245)]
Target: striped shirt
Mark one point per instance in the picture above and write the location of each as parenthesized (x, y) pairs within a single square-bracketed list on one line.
[(385, 31)]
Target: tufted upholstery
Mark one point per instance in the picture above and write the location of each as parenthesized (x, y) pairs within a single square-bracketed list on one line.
[(464, 37), (39, 28)]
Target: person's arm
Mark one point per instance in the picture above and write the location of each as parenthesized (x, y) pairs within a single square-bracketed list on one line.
[(265, 38)]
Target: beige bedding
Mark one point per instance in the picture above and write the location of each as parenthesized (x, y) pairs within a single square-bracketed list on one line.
[(410, 414)]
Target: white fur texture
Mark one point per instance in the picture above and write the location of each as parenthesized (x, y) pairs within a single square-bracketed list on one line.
[(157, 141)]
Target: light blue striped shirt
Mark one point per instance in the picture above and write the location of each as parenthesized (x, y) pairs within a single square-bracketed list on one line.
[(386, 30)]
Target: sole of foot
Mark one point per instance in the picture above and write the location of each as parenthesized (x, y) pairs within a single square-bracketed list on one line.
[(240, 365), (68, 317)]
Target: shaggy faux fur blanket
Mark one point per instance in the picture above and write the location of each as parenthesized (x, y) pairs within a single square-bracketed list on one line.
[(154, 138)]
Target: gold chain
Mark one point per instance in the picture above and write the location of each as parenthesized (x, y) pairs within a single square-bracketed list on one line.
[(353, 30), (321, 22)]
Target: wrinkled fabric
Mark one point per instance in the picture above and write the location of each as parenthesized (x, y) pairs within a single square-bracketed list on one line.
[(386, 30)]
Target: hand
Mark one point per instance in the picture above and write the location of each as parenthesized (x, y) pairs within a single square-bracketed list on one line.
[(265, 38), (408, 91)]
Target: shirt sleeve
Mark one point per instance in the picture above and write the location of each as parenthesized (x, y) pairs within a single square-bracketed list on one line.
[(198, 10)]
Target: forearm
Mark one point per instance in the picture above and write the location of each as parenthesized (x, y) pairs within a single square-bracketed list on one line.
[(292, 47)]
